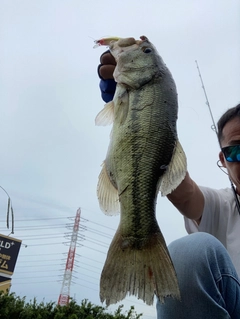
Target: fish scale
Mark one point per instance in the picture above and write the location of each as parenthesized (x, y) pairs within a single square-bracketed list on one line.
[(144, 155)]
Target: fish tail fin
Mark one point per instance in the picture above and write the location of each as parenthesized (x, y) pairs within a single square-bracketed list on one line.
[(142, 272)]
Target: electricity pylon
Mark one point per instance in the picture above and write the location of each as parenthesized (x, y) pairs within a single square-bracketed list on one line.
[(65, 290)]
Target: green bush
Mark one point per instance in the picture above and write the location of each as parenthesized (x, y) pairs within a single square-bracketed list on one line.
[(15, 307)]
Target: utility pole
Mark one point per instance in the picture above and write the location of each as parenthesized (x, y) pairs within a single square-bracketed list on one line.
[(65, 290)]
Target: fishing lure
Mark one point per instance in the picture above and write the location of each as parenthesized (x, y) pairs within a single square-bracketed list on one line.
[(105, 41)]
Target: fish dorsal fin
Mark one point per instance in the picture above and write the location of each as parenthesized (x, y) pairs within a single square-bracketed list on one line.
[(107, 194), (175, 172), (106, 115)]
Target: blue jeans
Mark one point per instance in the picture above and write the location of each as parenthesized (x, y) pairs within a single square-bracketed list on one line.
[(208, 282)]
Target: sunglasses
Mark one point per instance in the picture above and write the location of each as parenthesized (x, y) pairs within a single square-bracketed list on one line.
[(232, 153)]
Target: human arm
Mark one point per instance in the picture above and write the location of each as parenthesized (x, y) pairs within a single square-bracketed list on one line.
[(188, 199)]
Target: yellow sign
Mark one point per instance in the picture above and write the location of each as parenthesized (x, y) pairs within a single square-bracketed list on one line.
[(5, 284), (9, 249)]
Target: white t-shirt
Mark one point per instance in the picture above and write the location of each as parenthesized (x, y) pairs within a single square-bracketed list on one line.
[(221, 219)]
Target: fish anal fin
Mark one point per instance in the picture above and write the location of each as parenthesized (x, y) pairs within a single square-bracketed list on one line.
[(175, 172), (141, 272), (106, 115), (107, 194)]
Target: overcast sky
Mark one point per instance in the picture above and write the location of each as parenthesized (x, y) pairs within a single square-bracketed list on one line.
[(49, 97)]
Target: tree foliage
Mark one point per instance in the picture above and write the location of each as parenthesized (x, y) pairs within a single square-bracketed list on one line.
[(15, 307)]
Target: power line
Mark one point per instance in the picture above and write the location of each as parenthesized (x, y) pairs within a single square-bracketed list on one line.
[(30, 255), (22, 266), (95, 231), (48, 244), (47, 266), (51, 276), (35, 282), (33, 261), (92, 259), (33, 271), (26, 236), (34, 219), (88, 220)]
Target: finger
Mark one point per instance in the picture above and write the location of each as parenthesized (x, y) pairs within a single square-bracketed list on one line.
[(106, 71), (107, 58)]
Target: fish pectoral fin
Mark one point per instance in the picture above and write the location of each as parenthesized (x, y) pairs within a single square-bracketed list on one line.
[(175, 171), (107, 194), (106, 115)]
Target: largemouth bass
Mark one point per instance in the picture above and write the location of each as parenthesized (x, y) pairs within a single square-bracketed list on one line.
[(144, 157)]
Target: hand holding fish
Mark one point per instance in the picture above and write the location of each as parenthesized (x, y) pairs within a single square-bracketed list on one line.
[(105, 71), (107, 66)]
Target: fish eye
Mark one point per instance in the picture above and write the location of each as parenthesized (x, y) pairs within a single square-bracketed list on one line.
[(147, 50)]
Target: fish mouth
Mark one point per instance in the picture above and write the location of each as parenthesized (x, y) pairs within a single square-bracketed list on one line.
[(126, 42), (124, 45), (122, 42)]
